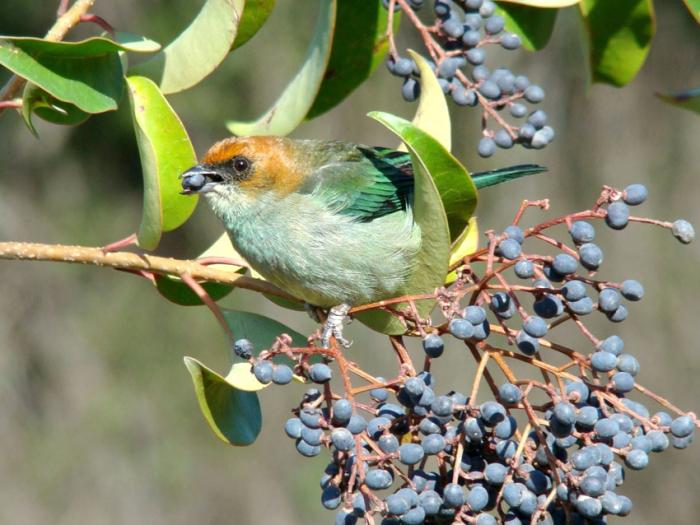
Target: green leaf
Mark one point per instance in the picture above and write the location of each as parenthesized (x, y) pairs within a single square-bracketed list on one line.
[(689, 99), (432, 115), (87, 74), (293, 105), (619, 35), (165, 152), (37, 101), (255, 14), (197, 51), (694, 8), (136, 43), (428, 157), (233, 415), (359, 46), (174, 290), (533, 25)]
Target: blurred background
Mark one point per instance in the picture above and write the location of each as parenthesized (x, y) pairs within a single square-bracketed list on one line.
[(98, 420)]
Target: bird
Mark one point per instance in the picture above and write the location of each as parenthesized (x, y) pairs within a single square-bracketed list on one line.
[(328, 222)]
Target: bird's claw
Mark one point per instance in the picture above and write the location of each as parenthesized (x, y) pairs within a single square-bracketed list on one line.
[(337, 317)]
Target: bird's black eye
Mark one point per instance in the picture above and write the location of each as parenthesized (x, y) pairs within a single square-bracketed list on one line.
[(241, 164)]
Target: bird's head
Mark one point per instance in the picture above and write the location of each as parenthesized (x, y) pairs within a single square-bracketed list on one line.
[(237, 170)]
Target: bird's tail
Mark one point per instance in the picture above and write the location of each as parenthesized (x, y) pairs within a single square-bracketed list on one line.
[(483, 179)]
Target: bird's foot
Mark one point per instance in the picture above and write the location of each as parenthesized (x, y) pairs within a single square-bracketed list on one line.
[(337, 317)]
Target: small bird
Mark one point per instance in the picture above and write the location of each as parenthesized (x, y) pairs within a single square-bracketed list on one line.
[(329, 222)]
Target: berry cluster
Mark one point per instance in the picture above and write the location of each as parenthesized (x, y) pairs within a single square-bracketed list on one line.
[(552, 449), (457, 44)]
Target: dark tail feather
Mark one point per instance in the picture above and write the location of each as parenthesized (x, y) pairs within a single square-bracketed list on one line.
[(483, 179)]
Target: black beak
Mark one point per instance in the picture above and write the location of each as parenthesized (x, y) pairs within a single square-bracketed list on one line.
[(199, 179)]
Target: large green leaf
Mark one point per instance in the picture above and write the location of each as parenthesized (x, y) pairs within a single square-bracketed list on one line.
[(166, 152), (87, 74), (359, 46), (432, 115), (533, 25), (255, 14), (428, 156), (233, 415), (37, 101), (619, 34), (198, 50), (689, 99), (694, 8), (293, 105)]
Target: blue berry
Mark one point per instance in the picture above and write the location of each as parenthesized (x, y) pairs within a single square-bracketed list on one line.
[(293, 427), (442, 406), (587, 416), (376, 426), (342, 411), (635, 194), (495, 473), (442, 8), (632, 290), (526, 132), (471, 38), (494, 25), (619, 315), (534, 94), (489, 88), (506, 428), (313, 436), (472, 21), (378, 479), (281, 374), (683, 231), (526, 344), (524, 269), (588, 507), (606, 427), (463, 96), (243, 348), (613, 344), (460, 328), (477, 498), (311, 417), (476, 56), (609, 300), (542, 137), (582, 232), (320, 373), (510, 393), (573, 290), (453, 27), (453, 495), (622, 382), (510, 41), (449, 66), (433, 345), (637, 459), (391, 411), (535, 326), (565, 264), (564, 412), (343, 439), (503, 140), (603, 361), (492, 412), (430, 501), (410, 90), (403, 67), (481, 331), (681, 443), (331, 497), (263, 371), (487, 147), (509, 248), (305, 449), (618, 215), (518, 110), (591, 256), (628, 363), (474, 314), (514, 493), (641, 443), (502, 305), (583, 458), (487, 9), (521, 82), (682, 426), (538, 119), (410, 453), (433, 443), (397, 505)]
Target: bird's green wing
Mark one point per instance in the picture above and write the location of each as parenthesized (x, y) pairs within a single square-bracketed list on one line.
[(366, 182), (371, 182)]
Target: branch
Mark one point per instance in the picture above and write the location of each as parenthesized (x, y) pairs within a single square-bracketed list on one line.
[(25, 251)]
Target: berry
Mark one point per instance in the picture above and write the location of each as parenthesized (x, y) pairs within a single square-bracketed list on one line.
[(378, 479), (487, 147), (342, 411), (526, 344), (471, 38), (433, 443), (494, 25), (609, 300), (619, 315), (320, 373), (453, 495), (403, 67), (622, 382), (397, 505), (683, 231), (537, 118), (526, 132), (410, 90), (306, 449), (524, 269), (535, 326), (476, 56), (565, 264), (331, 497), (534, 94), (591, 256), (574, 290), (410, 453), (453, 27), (510, 41), (281, 374), (343, 439), (518, 110), (632, 290), (474, 314), (582, 232), (292, 427), (489, 88), (509, 393), (477, 498), (603, 361), (565, 413), (503, 139), (433, 345), (628, 363), (263, 371), (487, 9), (461, 328), (243, 348), (618, 215), (682, 426), (613, 344), (357, 424), (637, 459), (509, 248), (463, 96), (635, 194)]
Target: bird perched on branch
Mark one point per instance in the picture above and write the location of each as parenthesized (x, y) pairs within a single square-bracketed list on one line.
[(327, 222)]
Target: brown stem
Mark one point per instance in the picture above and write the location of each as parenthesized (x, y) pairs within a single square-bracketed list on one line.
[(209, 302)]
